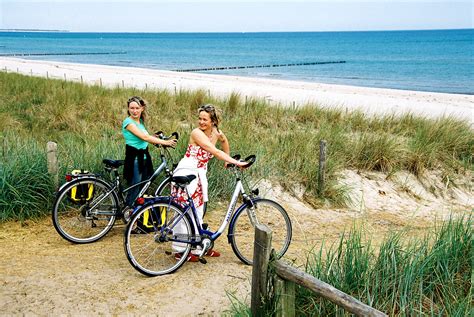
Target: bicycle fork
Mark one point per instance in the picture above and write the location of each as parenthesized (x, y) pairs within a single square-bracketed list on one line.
[(251, 210)]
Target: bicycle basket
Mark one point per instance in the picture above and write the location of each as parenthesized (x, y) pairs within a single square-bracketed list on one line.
[(80, 193)]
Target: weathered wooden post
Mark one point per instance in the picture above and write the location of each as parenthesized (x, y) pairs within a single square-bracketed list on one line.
[(322, 166), (285, 290), (52, 158), (261, 257)]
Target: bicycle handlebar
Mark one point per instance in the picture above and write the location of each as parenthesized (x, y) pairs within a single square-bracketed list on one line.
[(160, 135), (164, 137), (249, 160)]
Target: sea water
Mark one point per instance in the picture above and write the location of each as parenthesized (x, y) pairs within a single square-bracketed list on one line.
[(435, 60)]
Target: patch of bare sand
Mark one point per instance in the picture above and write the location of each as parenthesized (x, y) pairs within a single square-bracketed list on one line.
[(45, 275)]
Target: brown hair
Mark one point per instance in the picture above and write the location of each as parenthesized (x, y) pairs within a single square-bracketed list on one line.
[(213, 113), (140, 102)]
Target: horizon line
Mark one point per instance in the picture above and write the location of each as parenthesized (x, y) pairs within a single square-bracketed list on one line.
[(13, 30)]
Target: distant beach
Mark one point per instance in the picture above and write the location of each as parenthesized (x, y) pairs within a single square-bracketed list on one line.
[(425, 60), (374, 101)]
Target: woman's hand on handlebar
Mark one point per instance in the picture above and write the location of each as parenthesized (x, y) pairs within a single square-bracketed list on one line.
[(167, 140), (241, 163), (170, 143)]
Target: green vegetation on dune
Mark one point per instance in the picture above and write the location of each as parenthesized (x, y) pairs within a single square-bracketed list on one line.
[(85, 121), (429, 276)]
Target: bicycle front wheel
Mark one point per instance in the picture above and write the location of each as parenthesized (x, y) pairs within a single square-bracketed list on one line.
[(84, 210), (158, 239), (263, 211)]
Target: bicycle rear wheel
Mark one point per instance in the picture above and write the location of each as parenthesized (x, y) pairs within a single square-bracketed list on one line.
[(263, 211), (151, 239), (84, 210)]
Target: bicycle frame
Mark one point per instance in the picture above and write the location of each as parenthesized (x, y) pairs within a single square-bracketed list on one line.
[(191, 210), (147, 183), (117, 188)]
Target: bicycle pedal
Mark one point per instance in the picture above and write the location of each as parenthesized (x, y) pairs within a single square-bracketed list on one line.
[(205, 226), (203, 260)]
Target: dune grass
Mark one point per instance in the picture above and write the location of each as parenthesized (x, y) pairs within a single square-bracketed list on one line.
[(85, 122), (428, 276)]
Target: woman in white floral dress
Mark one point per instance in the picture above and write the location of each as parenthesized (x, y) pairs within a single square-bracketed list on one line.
[(201, 148)]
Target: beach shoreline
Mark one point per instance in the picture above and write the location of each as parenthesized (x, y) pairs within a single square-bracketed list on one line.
[(372, 101)]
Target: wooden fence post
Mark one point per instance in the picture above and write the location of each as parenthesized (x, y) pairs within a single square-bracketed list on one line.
[(52, 158), (285, 290), (261, 257), (322, 166)]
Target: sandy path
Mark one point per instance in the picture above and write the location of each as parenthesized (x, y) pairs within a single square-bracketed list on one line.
[(42, 274)]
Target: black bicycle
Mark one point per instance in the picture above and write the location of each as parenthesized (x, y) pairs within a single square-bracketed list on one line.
[(87, 205)]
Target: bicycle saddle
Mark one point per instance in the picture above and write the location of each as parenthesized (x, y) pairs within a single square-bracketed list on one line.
[(183, 180), (113, 163)]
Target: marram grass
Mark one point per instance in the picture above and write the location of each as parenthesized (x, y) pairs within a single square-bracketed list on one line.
[(429, 276), (85, 121)]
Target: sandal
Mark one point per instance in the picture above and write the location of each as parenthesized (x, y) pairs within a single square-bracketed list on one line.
[(191, 257), (212, 253)]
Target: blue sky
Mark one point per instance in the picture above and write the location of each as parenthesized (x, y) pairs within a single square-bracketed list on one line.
[(234, 16)]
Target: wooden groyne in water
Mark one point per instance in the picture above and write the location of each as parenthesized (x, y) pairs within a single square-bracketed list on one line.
[(256, 66), (59, 54)]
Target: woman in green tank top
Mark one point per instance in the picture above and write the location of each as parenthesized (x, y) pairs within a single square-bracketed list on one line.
[(138, 165)]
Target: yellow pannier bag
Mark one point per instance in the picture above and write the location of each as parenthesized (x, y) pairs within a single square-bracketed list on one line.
[(84, 192), (148, 221)]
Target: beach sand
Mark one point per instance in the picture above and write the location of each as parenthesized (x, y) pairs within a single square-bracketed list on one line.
[(373, 101)]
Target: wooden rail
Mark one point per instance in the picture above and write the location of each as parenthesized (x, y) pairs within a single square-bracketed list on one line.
[(285, 289)]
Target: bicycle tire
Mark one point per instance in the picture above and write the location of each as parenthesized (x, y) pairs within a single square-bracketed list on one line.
[(241, 233), (72, 219), (151, 252)]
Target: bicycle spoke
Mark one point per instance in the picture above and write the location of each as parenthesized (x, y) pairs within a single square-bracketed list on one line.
[(150, 247)]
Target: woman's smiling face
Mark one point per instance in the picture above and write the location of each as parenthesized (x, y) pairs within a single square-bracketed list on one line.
[(204, 120), (135, 110)]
